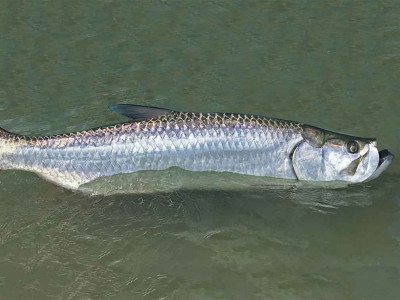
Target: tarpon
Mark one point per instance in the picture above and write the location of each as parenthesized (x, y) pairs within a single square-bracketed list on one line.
[(157, 138)]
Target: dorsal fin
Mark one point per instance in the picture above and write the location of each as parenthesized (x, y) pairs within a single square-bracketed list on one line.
[(139, 113)]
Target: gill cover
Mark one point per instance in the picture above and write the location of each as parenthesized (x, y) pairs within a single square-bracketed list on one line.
[(325, 156)]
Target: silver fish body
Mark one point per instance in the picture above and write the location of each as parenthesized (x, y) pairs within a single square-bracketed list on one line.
[(157, 139)]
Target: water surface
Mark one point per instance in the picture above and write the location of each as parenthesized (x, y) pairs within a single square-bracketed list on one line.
[(180, 235)]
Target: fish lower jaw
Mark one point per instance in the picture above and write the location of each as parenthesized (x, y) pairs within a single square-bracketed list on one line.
[(385, 155), (385, 159)]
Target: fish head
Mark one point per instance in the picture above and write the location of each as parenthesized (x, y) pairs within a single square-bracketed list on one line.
[(328, 156)]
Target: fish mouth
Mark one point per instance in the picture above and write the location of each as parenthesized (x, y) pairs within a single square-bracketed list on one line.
[(383, 156), (385, 159)]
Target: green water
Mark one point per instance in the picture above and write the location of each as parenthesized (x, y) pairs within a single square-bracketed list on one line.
[(200, 236)]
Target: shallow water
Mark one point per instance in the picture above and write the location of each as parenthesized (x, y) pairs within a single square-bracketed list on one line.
[(182, 235)]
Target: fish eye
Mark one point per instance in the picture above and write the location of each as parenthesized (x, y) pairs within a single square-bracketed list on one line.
[(352, 147)]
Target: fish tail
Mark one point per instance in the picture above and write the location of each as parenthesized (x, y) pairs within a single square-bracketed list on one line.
[(4, 141), (4, 134)]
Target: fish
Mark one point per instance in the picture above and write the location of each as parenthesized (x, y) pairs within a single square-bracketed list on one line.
[(157, 138)]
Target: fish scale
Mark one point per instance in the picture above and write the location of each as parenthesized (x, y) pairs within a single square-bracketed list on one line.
[(244, 144), (157, 139)]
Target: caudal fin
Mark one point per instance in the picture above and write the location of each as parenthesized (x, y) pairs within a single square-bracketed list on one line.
[(5, 134), (6, 139)]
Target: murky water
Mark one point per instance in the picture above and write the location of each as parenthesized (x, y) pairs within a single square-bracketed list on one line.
[(182, 235)]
